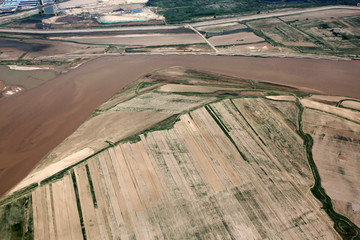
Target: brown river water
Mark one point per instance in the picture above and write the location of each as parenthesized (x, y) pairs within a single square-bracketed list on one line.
[(36, 121)]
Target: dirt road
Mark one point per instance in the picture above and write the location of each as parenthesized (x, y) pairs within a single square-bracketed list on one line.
[(36, 121)]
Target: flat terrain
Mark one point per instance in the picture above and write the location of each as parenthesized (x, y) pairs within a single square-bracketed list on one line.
[(45, 116), (215, 159), (140, 39)]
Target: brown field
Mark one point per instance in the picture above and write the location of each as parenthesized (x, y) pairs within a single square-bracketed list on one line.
[(236, 38), (263, 47), (221, 27), (12, 49), (282, 98), (38, 120), (336, 154), (345, 113), (191, 181), (139, 39), (191, 88), (351, 104)]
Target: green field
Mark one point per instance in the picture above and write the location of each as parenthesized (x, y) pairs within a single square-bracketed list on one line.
[(181, 10)]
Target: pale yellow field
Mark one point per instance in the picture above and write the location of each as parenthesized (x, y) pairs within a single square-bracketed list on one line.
[(236, 38), (222, 27), (192, 88), (351, 104), (336, 154), (140, 39), (322, 14)]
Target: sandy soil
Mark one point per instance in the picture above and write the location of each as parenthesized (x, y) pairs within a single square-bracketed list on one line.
[(282, 98), (145, 14), (24, 68), (346, 113), (322, 14), (257, 48), (140, 39), (36, 121), (326, 98), (65, 48), (300, 44), (26, 79), (336, 154), (236, 38), (190, 88), (351, 104), (222, 27)]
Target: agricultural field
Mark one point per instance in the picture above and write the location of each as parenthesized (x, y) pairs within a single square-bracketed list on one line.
[(331, 32), (336, 153), (183, 154)]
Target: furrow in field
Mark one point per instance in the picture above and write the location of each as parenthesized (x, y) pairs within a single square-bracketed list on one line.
[(278, 138), (91, 223), (264, 169), (146, 171), (103, 211), (199, 154), (119, 190), (40, 214), (205, 129), (128, 193), (65, 209), (115, 213)]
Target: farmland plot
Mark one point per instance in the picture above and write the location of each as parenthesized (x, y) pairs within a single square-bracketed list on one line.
[(161, 102), (336, 153), (281, 32), (193, 181), (236, 38), (55, 211), (139, 39)]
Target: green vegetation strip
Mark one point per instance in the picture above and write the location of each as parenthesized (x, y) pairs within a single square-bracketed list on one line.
[(342, 225), (225, 130), (91, 186), (78, 204), (18, 194)]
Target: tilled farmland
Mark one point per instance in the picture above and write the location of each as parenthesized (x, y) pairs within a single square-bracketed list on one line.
[(228, 163)]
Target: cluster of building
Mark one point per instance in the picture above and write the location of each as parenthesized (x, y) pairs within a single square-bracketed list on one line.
[(10, 6)]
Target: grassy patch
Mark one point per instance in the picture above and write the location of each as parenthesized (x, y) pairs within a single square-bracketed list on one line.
[(78, 204), (16, 219), (91, 186), (177, 11)]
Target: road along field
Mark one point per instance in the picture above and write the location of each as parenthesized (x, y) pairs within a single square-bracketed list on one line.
[(223, 157)]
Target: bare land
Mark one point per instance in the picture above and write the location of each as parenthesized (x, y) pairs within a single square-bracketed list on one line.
[(336, 153), (236, 38), (139, 39), (351, 104)]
